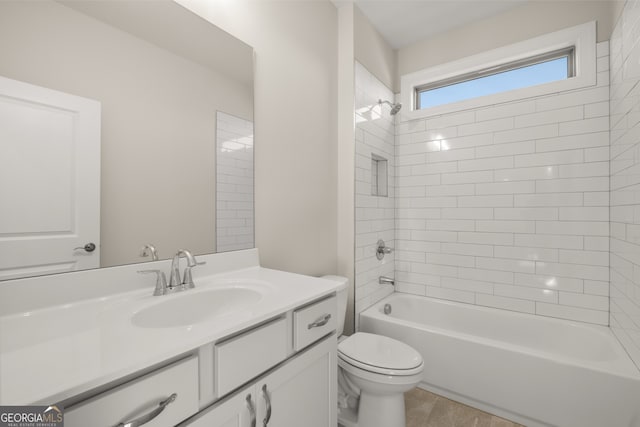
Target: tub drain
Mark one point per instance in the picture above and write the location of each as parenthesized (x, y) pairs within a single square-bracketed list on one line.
[(387, 309)]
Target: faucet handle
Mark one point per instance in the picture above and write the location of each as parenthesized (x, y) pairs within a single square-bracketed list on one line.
[(187, 279), (161, 281), (382, 249)]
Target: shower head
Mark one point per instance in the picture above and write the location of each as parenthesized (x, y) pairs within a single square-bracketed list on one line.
[(394, 107)]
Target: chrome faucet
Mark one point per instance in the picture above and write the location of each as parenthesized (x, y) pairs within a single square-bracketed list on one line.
[(149, 250), (174, 279), (175, 284), (384, 280)]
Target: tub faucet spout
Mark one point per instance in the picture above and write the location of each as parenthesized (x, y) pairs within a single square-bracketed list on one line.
[(384, 280)]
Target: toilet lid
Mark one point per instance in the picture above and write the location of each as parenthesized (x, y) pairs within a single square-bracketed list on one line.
[(380, 354)]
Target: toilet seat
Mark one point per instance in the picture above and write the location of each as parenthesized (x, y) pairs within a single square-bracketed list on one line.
[(380, 355)]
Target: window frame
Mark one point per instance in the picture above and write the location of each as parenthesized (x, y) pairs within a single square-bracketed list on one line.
[(581, 38), (568, 53)]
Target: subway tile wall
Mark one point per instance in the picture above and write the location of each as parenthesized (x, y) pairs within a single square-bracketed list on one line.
[(374, 214), (625, 185), (507, 206), (234, 183)]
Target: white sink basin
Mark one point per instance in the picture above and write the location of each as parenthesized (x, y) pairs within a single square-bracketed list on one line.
[(191, 307)]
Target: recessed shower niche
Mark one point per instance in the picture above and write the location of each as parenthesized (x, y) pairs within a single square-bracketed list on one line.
[(379, 176)]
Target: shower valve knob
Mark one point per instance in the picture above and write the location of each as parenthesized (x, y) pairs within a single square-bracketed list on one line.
[(382, 249)]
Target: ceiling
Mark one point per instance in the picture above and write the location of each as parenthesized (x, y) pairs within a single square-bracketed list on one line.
[(403, 22)]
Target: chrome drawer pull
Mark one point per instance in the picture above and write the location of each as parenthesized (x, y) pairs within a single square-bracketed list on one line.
[(267, 399), (321, 321), (151, 415), (252, 410)]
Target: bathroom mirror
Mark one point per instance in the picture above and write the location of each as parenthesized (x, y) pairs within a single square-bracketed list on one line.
[(122, 124)]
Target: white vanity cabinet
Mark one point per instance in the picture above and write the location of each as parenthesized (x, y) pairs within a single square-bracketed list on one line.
[(278, 373), (299, 392)]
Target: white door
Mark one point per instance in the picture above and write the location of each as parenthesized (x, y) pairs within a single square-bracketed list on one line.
[(49, 181)]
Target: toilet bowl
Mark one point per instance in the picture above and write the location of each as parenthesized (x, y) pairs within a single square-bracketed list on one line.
[(374, 372), (382, 369)]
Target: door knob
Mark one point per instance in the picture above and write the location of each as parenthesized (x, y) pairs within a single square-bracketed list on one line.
[(89, 247)]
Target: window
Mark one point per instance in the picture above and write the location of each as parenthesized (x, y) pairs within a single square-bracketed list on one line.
[(552, 63), (515, 75)]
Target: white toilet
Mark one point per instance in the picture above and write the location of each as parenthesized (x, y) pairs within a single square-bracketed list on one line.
[(374, 372)]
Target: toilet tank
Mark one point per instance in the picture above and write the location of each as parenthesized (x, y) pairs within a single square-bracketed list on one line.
[(343, 296)]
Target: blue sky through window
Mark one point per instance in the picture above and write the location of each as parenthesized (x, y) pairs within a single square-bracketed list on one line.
[(530, 75)]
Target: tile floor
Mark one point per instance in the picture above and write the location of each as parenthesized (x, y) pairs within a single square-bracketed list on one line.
[(425, 409)]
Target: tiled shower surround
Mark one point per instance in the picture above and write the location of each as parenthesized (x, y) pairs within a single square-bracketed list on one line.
[(374, 214), (507, 206), (234, 186), (625, 184)]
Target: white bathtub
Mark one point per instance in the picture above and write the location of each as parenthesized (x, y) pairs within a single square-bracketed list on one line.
[(534, 370)]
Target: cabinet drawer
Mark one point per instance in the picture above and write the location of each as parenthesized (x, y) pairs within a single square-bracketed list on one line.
[(314, 322), (246, 356), (142, 396)]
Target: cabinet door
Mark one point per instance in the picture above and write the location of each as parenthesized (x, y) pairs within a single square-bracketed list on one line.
[(239, 410), (303, 391)]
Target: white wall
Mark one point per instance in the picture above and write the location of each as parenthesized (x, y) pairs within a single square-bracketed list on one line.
[(532, 19), (374, 214), (346, 156), (234, 183), (507, 206), (295, 126), (625, 162), (373, 51)]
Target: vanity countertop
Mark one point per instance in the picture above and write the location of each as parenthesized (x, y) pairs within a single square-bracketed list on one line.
[(53, 353)]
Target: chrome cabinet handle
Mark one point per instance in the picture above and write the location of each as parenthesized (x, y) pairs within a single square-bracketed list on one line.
[(89, 247), (151, 415), (267, 399), (252, 410), (321, 321)]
